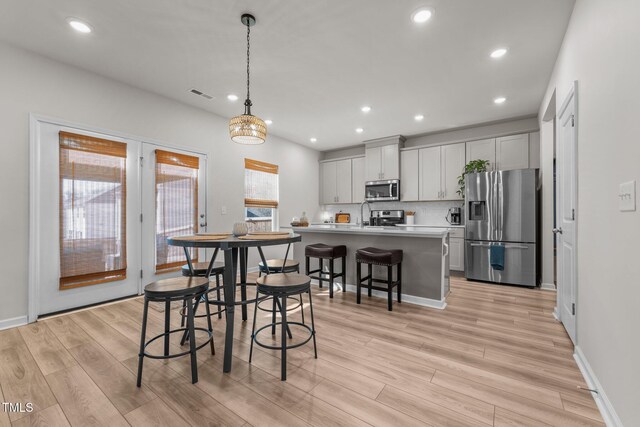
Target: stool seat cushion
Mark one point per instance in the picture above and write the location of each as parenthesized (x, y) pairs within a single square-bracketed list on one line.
[(283, 283), (200, 268), (320, 250), (379, 256), (276, 264), (176, 286)]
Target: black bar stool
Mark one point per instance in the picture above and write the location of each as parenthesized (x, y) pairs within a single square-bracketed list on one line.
[(386, 258), (190, 290), (329, 252), (276, 266), (201, 269), (280, 287)]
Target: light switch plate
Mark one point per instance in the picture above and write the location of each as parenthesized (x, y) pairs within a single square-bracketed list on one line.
[(627, 196)]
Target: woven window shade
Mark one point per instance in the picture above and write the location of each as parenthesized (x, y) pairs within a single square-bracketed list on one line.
[(176, 206), (261, 184), (93, 243)]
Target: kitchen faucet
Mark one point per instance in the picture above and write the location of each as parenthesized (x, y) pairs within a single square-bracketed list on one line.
[(362, 212)]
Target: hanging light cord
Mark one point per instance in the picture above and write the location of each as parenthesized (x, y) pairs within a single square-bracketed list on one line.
[(247, 103)]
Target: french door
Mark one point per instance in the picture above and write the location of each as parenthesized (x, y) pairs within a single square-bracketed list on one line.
[(103, 206), (173, 204)]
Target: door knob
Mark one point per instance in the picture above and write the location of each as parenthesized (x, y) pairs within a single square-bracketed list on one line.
[(203, 224), (557, 230)]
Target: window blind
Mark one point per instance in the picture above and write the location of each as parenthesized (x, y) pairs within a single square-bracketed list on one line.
[(176, 205), (92, 210), (261, 184)]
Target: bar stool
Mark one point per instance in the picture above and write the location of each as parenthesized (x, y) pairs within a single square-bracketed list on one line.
[(200, 270), (383, 257), (189, 290), (329, 252), (279, 287), (275, 266)]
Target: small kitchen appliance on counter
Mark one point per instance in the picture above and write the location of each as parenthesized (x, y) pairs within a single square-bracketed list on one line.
[(342, 218), (454, 216), (382, 218)]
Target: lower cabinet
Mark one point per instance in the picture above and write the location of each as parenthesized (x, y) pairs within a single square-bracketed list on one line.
[(456, 254)]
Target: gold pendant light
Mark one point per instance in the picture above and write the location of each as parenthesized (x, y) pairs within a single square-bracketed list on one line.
[(246, 128)]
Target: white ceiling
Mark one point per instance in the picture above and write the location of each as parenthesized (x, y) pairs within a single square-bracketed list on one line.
[(314, 63)]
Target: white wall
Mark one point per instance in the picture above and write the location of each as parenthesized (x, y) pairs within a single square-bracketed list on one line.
[(34, 84), (600, 51)]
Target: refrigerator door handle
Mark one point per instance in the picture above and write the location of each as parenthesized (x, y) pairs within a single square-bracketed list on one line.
[(488, 245)]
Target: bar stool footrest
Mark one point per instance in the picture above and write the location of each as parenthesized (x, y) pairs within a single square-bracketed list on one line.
[(288, 346), (184, 353)]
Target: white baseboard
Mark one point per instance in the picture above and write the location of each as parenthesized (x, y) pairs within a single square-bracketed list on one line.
[(13, 322), (548, 287), (411, 299), (607, 411)]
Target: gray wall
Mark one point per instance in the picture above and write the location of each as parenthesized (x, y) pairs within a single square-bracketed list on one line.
[(600, 51), (31, 83)]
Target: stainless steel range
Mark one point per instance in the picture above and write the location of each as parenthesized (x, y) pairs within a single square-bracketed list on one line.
[(382, 218), (502, 232)]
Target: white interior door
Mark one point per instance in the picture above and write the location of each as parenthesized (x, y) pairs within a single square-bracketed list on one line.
[(567, 210), (169, 208), (93, 209)]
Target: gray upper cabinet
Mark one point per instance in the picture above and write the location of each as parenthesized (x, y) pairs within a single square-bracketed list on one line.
[(382, 162), (357, 179), (335, 181), (438, 170), (512, 152), (484, 149), (409, 175)]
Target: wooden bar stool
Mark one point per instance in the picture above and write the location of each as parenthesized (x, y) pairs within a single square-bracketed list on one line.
[(386, 258), (328, 252), (280, 287), (187, 289)]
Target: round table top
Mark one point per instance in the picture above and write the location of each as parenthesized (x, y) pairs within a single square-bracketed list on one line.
[(231, 241)]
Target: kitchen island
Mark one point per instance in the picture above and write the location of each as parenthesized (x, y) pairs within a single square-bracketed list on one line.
[(425, 265)]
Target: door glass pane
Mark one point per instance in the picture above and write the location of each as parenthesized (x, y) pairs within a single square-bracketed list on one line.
[(176, 205), (92, 210)]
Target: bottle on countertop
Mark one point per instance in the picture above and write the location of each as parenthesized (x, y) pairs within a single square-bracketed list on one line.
[(304, 221)]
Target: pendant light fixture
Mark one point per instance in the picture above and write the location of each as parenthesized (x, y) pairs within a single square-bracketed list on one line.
[(246, 128)]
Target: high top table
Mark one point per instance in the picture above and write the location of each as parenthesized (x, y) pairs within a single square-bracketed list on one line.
[(231, 246)]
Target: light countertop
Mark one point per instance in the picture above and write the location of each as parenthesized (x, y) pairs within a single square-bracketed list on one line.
[(433, 232)]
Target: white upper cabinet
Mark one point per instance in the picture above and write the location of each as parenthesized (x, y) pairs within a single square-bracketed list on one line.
[(430, 173), (373, 161), (383, 162), (335, 181), (357, 179), (484, 149), (439, 168), (453, 161), (512, 152), (409, 175), (328, 183), (390, 161)]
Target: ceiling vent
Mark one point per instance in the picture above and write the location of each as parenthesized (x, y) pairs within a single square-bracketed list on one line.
[(200, 93)]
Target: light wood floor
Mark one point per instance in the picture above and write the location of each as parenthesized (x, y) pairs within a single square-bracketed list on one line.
[(494, 356)]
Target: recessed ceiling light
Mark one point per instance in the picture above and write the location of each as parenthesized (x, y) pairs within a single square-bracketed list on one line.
[(498, 53), (359, 130), (232, 97), (313, 139), (366, 109), (500, 100), (418, 117), (79, 26), (421, 16), (269, 122)]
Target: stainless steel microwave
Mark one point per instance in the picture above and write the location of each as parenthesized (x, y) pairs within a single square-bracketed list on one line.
[(387, 190)]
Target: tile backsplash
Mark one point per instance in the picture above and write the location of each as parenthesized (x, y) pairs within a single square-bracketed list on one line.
[(427, 213)]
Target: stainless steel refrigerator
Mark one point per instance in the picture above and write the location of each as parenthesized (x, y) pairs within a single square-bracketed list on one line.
[(502, 233)]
